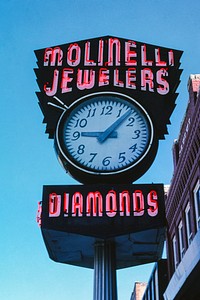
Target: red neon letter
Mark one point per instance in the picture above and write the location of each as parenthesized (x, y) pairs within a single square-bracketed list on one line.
[(111, 43), (157, 58), (129, 55), (54, 205), (52, 91), (73, 60), (100, 54), (147, 79), (152, 200), (39, 214), (94, 199), (171, 58), (51, 54), (103, 77), (117, 82), (65, 80), (66, 204), (84, 80), (87, 60), (111, 204), (163, 87), (124, 199), (138, 203), (77, 204), (145, 62), (131, 78)]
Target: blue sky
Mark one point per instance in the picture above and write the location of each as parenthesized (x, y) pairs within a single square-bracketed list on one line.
[(28, 160)]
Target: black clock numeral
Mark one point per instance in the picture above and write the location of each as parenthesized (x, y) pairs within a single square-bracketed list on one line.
[(93, 156), (131, 121), (81, 123), (76, 135), (122, 157), (106, 110), (106, 161), (91, 112), (133, 148), (137, 134), (119, 113), (81, 149)]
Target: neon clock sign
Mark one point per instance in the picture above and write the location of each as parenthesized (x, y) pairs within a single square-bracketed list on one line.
[(135, 82)]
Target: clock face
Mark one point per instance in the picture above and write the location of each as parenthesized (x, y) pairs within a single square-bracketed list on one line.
[(105, 133)]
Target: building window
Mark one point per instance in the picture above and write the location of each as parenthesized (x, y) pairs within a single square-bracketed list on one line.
[(175, 252), (188, 223), (197, 203), (181, 242)]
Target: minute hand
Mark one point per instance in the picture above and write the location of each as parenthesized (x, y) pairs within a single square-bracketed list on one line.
[(103, 136)]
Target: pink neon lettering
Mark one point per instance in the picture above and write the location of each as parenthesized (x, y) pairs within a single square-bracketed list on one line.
[(51, 54), (51, 91), (144, 60), (73, 55), (124, 199), (94, 200), (152, 200), (87, 60), (117, 81), (65, 80), (77, 205), (54, 205), (163, 87), (111, 204), (130, 54), (138, 203), (131, 78), (158, 59), (85, 79), (103, 77), (111, 43), (147, 80)]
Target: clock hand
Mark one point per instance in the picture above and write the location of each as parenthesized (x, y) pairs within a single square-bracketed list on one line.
[(105, 134), (97, 133)]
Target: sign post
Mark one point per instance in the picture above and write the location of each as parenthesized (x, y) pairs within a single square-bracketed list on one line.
[(105, 282)]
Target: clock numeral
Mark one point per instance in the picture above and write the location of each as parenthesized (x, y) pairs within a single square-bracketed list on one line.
[(91, 112), (133, 148), (119, 113), (76, 135), (106, 161), (93, 156), (131, 121), (122, 157), (137, 134), (106, 110), (81, 149), (82, 123)]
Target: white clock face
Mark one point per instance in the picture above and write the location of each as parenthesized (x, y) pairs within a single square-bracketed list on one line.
[(106, 133)]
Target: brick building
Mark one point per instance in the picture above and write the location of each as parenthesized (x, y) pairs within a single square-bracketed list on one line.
[(183, 205), (138, 291)]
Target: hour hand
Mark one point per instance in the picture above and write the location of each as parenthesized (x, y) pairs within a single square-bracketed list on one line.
[(97, 134)]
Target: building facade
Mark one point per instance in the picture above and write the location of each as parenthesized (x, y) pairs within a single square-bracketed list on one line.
[(183, 205)]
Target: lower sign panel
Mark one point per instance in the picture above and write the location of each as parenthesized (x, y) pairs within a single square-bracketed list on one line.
[(75, 217)]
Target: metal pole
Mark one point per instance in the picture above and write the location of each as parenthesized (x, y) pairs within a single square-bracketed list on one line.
[(105, 283)]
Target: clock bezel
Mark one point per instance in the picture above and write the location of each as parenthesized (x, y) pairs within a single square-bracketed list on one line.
[(73, 167)]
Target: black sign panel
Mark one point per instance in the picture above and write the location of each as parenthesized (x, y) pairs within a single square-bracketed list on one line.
[(103, 211), (148, 73)]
